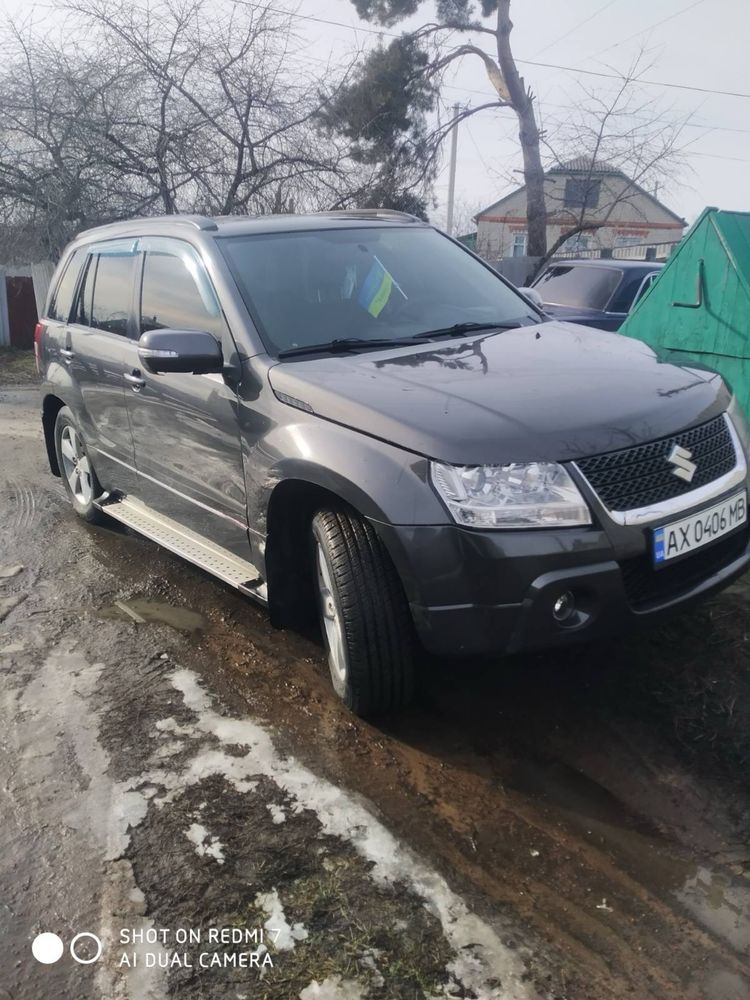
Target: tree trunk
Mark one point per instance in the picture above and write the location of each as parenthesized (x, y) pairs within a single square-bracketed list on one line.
[(528, 134)]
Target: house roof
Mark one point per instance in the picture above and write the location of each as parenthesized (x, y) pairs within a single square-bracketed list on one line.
[(584, 165)]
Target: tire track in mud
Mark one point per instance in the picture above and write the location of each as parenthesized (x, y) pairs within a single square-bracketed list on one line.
[(28, 503)]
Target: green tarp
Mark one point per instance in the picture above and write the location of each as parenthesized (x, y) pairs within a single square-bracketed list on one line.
[(698, 311)]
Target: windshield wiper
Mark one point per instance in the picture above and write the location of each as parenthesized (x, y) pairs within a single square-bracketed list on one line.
[(459, 329), (343, 344)]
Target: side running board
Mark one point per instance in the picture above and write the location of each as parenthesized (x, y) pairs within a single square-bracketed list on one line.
[(186, 543)]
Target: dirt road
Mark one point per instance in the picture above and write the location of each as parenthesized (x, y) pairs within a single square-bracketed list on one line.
[(179, 780)]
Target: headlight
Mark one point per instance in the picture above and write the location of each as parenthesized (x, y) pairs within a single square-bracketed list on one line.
[(537, 495)]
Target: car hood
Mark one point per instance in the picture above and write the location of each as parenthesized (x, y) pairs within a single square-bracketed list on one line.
[(552, 392)]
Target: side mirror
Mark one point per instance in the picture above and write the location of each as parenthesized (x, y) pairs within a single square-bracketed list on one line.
[(189, 351), (533, 296)]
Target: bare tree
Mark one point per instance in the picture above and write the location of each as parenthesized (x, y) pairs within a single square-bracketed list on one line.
[(166, 106)]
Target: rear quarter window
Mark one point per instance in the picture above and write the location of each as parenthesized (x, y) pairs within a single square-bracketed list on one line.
[(62, 296), (626, 293)]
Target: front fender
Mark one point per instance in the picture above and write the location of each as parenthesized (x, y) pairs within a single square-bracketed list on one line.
[(382, 482)]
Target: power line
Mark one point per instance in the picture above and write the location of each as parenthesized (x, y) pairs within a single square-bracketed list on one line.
[(656, 24), (572, 107), (580, 24), (645, 83), (524, 62)]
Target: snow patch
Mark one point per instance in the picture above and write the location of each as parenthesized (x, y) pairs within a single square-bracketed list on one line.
[(282, 935), (171, 725), (481, 958), (333, 988), (206, 845), (369, 959), (278, 813)]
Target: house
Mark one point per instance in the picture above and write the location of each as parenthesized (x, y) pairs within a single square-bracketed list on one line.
[(580, 190)]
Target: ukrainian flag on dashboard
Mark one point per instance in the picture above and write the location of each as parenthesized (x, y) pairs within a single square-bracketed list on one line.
[(376, 289)]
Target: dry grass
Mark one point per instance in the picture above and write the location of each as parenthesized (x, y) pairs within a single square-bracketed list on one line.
[(17, 367)]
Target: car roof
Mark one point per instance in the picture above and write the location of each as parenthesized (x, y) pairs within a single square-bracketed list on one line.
[(237, 225), (607, 262)]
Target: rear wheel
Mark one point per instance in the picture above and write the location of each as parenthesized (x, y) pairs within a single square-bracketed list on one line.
[(76, 470), (364, 615)]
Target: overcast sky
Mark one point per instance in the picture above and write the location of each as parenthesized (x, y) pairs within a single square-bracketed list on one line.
[(695, 43)]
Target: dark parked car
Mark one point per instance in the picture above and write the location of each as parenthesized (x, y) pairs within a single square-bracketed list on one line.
[(597, 293), (352, 410)]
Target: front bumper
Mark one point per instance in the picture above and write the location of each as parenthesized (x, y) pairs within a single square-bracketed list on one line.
[(490, 592)]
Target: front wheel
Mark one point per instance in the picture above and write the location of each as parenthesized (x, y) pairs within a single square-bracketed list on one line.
[(364, 615), (76, 470)]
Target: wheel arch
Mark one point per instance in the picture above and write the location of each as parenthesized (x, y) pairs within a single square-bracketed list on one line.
[(51, 406), (292, 504)]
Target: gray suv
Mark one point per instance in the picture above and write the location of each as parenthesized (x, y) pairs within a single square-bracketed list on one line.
[(352, 412)]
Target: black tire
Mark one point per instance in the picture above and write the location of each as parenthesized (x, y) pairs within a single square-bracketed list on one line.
[(84, 507), (378, 636)]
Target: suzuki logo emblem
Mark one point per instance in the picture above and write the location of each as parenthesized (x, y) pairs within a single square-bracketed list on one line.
[(683, 467)]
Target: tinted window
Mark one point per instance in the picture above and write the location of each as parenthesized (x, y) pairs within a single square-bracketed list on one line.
[(176, 295), (645, 286), (307, 288), (578, 285), (626, 293), (113, 292), (62, 298)]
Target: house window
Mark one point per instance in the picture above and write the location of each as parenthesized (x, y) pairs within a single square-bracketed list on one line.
[(628, 241), (576, 244), (581, 192), (519, 244)]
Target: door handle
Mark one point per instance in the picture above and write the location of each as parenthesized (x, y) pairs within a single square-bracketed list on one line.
[(134, 379), (67, 354)]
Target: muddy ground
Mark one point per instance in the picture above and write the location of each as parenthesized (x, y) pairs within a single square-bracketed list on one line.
[(570, 826)]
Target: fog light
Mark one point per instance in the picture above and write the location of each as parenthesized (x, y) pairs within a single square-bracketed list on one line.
[(564, 607)]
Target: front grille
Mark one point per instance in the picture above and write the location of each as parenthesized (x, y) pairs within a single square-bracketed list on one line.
[(646, 586), (641, 476)]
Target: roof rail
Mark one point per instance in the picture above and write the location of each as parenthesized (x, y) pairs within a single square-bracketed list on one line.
[(203, 222), (373, 213)]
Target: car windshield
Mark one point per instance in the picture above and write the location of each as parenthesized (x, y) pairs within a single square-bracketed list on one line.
[(578, 285), (386, 282)]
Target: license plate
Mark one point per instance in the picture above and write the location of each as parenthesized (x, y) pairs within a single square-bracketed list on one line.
[(691, 533)]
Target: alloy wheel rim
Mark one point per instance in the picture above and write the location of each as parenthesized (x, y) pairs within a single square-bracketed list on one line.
[(76, 465), (333, 625)]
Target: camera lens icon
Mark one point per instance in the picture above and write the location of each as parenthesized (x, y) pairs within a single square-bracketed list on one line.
[(47, 948), (85, 948)]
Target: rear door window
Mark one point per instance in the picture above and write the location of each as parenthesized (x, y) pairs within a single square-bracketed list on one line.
[(106, 291), (113, 292), (176, 293), (62, 297), (578, 285)]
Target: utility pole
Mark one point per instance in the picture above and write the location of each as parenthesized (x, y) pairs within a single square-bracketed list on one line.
[(452, 173)]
